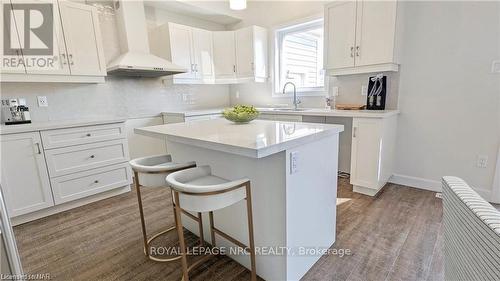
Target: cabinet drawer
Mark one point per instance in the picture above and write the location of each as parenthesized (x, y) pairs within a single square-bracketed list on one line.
[(72, 159), (82, 135), (79, 185)]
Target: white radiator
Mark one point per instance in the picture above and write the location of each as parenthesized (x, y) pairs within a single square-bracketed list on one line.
[(471, 234)]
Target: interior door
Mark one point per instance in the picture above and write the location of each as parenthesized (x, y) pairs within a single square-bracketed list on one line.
[(375, 32), (244, 52), (181, 49), (13, 58), (341, 26), (25, 181), (203, 54), (224, 54), (83, 39), (365, 153)]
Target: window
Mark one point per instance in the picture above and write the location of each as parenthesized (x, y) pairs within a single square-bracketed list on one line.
[(299, 57)]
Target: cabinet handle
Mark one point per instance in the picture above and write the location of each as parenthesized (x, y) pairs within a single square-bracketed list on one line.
[(354, 130), (63, 56), (96, 181), (71, 59), (358, 52), (234, 68), (39, 151), (253, 66), (352, 52), (92, 156), (196, 67), (88, 135)]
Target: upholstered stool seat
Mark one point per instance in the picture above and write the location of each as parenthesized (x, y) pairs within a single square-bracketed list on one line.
[(151, 172), (198, 190)]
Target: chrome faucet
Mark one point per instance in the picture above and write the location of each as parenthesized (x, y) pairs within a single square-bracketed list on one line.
[(296, 101)]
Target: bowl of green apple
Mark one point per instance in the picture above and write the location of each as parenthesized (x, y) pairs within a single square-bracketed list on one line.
[(240, 114)]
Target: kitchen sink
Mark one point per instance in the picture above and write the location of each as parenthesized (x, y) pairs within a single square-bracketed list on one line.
[(290, 109)]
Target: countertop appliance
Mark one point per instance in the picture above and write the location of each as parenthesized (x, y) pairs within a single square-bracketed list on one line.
[(15, 111), (377, 91)]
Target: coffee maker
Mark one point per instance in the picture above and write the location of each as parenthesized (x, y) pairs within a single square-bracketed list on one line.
[(15, 111)]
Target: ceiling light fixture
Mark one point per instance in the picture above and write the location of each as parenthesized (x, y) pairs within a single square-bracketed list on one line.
[(238, 4)]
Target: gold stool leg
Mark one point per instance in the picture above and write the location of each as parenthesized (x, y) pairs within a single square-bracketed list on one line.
[(250, 232), (180, 232), (200, 226), (212, 232), (141, 211)]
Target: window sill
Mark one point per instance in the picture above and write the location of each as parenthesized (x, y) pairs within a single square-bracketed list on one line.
[(300, 94)]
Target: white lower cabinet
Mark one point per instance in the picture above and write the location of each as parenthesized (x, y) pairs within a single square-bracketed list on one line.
[(75, 186), (69, 164), (25, 181), (372, 153)]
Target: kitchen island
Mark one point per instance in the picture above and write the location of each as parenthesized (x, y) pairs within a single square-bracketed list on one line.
[(293, 173)]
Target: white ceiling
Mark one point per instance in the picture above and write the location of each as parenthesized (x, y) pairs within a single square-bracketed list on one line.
[(195, 9)]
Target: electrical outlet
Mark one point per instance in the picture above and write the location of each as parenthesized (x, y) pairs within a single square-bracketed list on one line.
[(335, 91), (294, 162), (42, 101), (482, 161), (364, 90)]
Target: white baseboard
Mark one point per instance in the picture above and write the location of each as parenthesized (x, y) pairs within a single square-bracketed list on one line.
[(431, 185)]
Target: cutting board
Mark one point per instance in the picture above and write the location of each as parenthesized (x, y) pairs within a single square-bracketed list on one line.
[(348, 106)]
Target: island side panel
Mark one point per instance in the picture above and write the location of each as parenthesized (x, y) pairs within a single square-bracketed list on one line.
[(311, 196), (268, 203)]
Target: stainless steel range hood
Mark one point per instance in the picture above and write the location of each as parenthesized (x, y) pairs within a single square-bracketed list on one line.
[(136, 59)]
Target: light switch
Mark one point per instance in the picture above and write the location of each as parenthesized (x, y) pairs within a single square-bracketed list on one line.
[(495, 66), (294, 162)]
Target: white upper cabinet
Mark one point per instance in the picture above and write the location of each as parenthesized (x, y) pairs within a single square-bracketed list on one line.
[(25, 181), (362, 36), (181, 46), (14, 55), (85, 53), (203, 54), (77, 54), (251, 53), (189, 47), (212, 57), (341, 34), (224, 55)]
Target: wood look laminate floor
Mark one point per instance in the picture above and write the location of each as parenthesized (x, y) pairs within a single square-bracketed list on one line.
[(394, 236)]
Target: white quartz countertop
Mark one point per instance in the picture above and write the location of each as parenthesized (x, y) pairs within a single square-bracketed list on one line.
[(303, 112), (50, 125), (256, 139)]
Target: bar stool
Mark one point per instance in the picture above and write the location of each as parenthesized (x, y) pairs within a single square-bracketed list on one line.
[(151, 172), (197, 190)]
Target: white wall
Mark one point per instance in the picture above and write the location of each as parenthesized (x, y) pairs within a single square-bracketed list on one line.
[(449, 99)]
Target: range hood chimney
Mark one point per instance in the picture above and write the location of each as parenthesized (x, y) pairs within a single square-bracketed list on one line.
[(136, 60)]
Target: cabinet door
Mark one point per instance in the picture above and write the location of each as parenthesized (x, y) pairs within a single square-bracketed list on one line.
[(13, 36), (375, 32), (203, 54), (83, 39), (180, 47), (365, 153), (25, 181), (340, 24), (224, 54), (244, 52)]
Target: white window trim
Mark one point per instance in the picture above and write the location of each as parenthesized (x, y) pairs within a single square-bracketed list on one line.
[(303, 92)]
